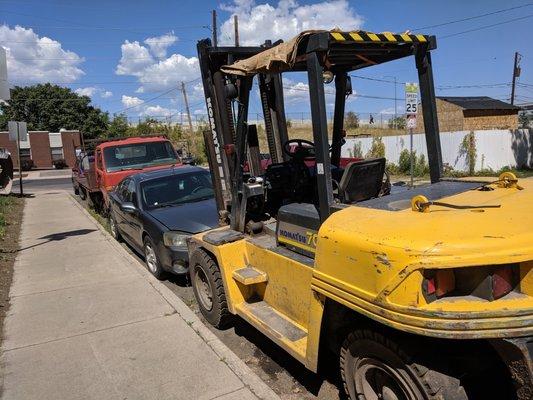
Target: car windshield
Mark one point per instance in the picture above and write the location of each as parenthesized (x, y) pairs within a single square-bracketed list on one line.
[(138, 155), (177, 189)]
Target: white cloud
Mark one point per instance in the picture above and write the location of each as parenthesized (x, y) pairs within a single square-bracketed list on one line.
[(295, 92), (31, 58), (158, 111), (170, 72), (151, 66), (87, 91), (131, 101), (92, 91), (400, 109), (260, 22), (158, 45), (135, 58)]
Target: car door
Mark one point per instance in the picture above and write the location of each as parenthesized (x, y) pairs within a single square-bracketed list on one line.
[(132, 217), (117, 198)]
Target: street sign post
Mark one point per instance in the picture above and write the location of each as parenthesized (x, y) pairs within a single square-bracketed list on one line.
[(411, 108), (18, 131), (4, 86)]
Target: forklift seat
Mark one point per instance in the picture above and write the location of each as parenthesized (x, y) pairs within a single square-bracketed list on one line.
[(362, 180)]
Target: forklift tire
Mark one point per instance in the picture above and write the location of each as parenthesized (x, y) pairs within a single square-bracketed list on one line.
[(208, 288), (374, 366)]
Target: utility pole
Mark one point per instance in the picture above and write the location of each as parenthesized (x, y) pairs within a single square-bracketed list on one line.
[(516, 74), (214, 28), (236, 26), (395, 100), (187, 106)]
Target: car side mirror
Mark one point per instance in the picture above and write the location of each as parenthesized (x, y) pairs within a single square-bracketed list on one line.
[(128, 208)]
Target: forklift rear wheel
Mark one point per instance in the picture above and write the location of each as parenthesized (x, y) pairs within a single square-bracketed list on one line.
[(376, 367), (208, 289)]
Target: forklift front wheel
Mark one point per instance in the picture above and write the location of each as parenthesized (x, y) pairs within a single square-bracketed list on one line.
[(376, 367), (208, 289)]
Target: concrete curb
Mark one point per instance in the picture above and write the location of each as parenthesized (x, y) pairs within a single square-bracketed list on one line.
[(235, 364)]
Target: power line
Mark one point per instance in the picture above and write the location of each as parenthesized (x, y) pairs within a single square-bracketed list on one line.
[(86, 26), (471, 18), (485, 27), (146, 101)]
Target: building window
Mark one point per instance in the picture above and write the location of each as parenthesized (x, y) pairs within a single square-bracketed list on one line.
[(57, 153)]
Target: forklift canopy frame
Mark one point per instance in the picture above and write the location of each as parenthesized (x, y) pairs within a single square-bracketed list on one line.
[(313, 52)]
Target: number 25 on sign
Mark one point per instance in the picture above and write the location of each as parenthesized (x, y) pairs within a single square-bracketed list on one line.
[(411, 98)]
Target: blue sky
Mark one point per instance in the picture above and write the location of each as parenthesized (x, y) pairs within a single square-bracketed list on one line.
[(101, 49)]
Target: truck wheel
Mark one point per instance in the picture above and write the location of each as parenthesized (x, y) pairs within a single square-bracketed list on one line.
[(113, 227), (376, 367), (208, 289), (151, 259)]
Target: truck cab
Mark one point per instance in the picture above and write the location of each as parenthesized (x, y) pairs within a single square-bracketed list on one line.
[(117, 159)]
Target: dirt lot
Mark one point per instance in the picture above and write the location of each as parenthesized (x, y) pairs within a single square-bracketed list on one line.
[(286, 376), (10, 219)]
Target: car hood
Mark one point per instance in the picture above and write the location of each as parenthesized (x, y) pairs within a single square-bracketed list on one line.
[(192, 217)]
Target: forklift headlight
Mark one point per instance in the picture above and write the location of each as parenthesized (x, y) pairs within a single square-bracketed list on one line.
[(489, 282), (175, 239)]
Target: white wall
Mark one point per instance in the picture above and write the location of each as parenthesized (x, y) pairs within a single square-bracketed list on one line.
[(495, 149)]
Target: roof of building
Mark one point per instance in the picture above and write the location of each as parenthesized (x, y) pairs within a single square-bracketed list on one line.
[(479, 103)]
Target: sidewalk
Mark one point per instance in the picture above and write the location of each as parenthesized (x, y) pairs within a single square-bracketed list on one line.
[(44, 174), (87, 321)]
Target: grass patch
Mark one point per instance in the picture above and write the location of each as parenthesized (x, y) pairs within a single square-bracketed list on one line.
[(6, 203)]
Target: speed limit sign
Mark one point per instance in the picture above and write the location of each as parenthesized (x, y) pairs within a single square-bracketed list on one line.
[(411, 98)]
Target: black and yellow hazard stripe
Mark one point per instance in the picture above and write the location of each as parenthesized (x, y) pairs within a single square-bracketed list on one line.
[(384, 37)]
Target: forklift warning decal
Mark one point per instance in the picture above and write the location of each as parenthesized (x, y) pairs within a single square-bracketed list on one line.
[(215, 142), (297, 236), (362, 36)]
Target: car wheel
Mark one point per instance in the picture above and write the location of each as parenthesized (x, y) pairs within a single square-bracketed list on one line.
[(377, 367), (151, 259), (208, 289), (113, 227), (75, 188), (83, 193)]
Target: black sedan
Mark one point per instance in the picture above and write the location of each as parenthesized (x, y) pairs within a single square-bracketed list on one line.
[(156, 211)]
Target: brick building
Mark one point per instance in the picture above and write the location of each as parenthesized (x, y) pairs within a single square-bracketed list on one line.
[(472, 113), (43, 147)]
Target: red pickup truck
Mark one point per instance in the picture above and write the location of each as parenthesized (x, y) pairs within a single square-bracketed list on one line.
[(96, 174)]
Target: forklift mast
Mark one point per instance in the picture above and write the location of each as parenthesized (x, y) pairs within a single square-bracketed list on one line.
[(231, 143), (226, 124)]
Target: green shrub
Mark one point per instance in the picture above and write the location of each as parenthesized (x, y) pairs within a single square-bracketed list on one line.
[(357, 150), (351, 120), (377, 150), (404, 162)]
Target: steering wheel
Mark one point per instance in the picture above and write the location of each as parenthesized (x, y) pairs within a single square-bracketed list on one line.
[(196, 189), (307, 152)]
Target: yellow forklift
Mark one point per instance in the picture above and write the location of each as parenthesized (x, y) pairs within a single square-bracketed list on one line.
[(420, 294)]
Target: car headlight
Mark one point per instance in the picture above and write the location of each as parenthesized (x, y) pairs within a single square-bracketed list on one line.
[(175, 239)]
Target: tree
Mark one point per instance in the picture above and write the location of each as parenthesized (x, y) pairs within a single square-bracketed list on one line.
[(351, 120), (119, 126), (397, 123), (524, 120), (50, 108)]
